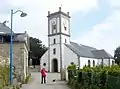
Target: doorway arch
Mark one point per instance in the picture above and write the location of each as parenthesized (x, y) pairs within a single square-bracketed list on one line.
[(54, 65)]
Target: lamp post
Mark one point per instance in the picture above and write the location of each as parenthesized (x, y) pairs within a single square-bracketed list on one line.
[(11, 34)]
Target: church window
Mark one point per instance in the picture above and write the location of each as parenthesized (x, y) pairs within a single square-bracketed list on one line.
[(89, 63), (54, 41), (54, 51), (65, 41), (93, 63)]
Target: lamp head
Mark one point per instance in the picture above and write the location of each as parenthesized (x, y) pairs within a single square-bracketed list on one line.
[(23, 14)]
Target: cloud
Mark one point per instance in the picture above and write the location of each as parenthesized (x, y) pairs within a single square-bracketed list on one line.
[(106, 34), (35, 23), (52, 5)]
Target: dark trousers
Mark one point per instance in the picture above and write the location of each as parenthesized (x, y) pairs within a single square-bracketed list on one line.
[(43, 79)]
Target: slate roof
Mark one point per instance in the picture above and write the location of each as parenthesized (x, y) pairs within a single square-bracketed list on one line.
[(17, 37), (4, 28), (86, 51)]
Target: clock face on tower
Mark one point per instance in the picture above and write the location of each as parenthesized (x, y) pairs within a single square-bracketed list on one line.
[(54, 26), (54, 21)]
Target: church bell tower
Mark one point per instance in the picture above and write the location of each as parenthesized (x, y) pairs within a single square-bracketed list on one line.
[(58, 35)]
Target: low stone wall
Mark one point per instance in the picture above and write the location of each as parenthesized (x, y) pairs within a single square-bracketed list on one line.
[(4, 60)]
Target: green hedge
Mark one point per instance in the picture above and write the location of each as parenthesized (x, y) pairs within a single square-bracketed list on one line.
[(95, 78), (4, 75)]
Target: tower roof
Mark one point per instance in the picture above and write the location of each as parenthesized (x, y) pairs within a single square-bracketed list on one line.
[(58, 12)]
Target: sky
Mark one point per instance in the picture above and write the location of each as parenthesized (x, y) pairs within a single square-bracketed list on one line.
[(93, 22)]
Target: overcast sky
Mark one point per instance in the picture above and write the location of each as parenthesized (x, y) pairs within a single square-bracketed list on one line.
[(94, 23)]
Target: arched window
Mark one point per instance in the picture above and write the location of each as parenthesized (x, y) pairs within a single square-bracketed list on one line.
[(54, 51), (93, 63), (65, 41), (89, 63), (54, 41)]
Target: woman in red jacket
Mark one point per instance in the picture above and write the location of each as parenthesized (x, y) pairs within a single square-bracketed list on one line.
[(43, 75)]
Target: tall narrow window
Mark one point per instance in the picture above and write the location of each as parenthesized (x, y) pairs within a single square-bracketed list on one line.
[(65, 41), (93, 63), (54, 41), (54, 51), (89, 63)]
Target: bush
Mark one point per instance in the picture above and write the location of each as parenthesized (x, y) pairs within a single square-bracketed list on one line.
[(27, 79), (4, 75), (94, 77)]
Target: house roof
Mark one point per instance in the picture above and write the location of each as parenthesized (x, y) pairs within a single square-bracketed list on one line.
[(4, 28), (87, 51), (17, 37), (101, 54)]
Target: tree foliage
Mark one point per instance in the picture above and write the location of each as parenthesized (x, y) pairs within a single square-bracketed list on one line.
[(37, 49), (117, 55)]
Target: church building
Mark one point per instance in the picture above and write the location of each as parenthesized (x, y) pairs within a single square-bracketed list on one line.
[(61, 51)]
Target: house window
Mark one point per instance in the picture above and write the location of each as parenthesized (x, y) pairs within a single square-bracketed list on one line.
[(54, 51), (89, 63), (65, 41), (54, 41), (93, 63)]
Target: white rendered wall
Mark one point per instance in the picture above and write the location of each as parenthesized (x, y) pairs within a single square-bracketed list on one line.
[(67, 25), (44, 59), (55, 56), (57, 23), (56, 37), (69, 56), (105, 61), (84, 61), (63, 37)]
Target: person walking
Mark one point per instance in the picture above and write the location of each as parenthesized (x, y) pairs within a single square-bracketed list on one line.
[(43, 75)]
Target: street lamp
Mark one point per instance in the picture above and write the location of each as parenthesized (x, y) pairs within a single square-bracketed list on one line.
[(11, 32)]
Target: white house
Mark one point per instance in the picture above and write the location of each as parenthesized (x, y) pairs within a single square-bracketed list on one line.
[(61, 51)]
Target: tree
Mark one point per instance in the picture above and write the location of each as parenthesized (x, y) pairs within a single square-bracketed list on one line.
[(37, 49), (117, 55)]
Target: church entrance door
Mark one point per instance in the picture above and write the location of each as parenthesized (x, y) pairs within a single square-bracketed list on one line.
[(54, 65)]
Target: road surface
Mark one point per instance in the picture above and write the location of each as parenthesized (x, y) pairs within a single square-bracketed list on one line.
[(35, 82)]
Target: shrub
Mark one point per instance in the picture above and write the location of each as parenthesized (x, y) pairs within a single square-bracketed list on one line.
[(4, 74), (94, 77), (27, 79)]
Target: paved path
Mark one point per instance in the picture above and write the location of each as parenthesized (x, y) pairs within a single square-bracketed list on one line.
[(35, 83)]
